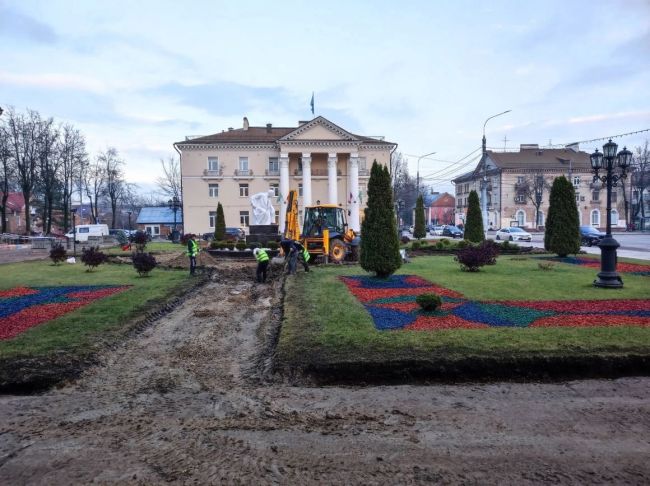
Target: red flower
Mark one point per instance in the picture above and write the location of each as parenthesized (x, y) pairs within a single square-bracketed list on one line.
[(591, 320)]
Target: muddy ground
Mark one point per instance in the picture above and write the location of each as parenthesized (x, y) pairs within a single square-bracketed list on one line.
[(191, 399)]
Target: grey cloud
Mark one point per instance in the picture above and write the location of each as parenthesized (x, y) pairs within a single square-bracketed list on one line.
[(18, 25)]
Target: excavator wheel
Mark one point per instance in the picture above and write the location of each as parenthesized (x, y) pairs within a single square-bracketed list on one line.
[(337, 251)]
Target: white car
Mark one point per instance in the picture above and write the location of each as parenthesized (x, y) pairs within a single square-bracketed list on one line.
[(513, 234)]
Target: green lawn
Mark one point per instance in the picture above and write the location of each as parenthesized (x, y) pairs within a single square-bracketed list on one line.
[(324, 324), (80, 330)]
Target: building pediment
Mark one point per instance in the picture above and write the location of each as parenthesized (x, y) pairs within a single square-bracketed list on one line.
[(319, 129)]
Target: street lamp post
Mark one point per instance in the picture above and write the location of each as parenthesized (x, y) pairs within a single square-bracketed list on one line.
[(609, 161), (74, 232), (539, 192), (484, 183), (129, 213), (174, 204), (418, 175), (399, 205)]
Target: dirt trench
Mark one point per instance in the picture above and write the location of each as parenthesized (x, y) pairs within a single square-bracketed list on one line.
[(191, 400)]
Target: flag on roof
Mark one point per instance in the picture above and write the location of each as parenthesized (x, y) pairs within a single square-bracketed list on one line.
[(312, 103)]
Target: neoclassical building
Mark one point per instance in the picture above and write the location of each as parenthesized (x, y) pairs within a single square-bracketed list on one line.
[(511, 174), (319, 159)]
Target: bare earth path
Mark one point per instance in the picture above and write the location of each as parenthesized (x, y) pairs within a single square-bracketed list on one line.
[(185, 401)]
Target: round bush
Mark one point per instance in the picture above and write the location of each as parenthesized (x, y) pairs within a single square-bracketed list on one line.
[(272, 245), (58, 253), (415, 245), (439, 245), (444, 241), (254, 245), (428, 302), (240, 245), (144, 263)]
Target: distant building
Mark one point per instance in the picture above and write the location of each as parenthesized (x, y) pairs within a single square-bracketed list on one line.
[(159, 221), (15, 213), (442, 208), (509, 178), (320, 160)]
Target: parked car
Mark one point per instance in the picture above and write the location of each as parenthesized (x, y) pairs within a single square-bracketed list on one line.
[(452, 231), (513, 234), (590, 236), (436, 229), (83, 231), (232, 234)]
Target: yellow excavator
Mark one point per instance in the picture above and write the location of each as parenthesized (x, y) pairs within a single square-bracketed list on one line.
[(325, 230)]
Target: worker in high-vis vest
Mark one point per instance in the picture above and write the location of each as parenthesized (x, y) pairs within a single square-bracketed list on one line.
[(192, 252), (262, 264), (298, 252)]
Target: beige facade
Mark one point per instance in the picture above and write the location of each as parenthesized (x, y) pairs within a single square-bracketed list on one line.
[(508, 173), (320, 160)]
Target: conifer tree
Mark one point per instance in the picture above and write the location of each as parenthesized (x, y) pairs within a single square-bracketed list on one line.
[(379, 242), (474, 220), (420, 230), (562, 233), (220, 225)]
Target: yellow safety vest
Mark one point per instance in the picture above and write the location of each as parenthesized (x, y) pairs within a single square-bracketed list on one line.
[(195, 249), (262, 256), (305, 254)]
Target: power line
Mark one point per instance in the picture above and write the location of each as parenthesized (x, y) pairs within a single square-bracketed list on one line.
[(602, 138), (448, 168), (451, 174)]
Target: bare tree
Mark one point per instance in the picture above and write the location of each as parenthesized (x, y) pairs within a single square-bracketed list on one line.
[(170, 182), (94, 184), (6, 175), (24, 136), (533, 188), (640, 180), (115, 183), (49, 164), (73, 158)]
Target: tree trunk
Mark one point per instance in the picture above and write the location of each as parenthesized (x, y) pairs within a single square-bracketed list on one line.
[(28, 216), (3, 210)]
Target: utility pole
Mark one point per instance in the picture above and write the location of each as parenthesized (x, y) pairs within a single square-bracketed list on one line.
[(418, 174), (484, 181)]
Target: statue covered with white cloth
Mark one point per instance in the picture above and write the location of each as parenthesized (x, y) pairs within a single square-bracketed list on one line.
[(263, 210)]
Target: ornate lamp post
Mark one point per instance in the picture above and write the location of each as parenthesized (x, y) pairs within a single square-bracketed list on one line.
[(74, 232), (174, 204), (609, 161), (129, 213)]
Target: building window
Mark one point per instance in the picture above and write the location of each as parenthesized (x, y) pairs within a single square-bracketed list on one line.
[(213, 163), (212, 216), (520, 179), (243, 164), (299, 190), (521, 218), (243, 218), (362, 165), (614, 196), (275, 188), (274, 164), (243, 190), (576, 181), (213, 190), (540, 218), (277, 215), (614, 215), (520, 199), (577, 197), (595, 218), (595, 196)]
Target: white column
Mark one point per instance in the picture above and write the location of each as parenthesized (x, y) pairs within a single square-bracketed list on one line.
[(332, 183), (306, 179), (353, 184), (284, 189)]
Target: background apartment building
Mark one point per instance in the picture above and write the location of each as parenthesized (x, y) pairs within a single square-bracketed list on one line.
[(319, 159), (516, 180)]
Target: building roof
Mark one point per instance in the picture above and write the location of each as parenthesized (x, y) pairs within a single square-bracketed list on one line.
[(443, 200), (541, 158), (267, 134), (15, 201), (159, 215)]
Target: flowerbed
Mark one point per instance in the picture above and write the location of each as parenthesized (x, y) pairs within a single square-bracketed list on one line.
[(621, 267), (24, 307), (391, 303)]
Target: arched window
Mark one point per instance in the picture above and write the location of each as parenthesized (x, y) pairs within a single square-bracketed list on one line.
[(521, 217), (540, 218), (595, 218), (614, 216)]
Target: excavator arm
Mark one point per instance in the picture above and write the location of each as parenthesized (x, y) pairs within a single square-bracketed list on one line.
[(292, 225)]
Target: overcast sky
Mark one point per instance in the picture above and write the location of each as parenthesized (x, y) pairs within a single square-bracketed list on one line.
[(141, 75)]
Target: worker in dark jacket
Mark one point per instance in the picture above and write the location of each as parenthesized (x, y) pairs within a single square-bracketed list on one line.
[(262, 264), (192, 252), (297, 252)]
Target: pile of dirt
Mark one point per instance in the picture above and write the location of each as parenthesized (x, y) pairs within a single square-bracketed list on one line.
[(203, 259)]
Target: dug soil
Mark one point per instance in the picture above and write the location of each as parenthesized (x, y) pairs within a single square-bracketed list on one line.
[(191, 398)]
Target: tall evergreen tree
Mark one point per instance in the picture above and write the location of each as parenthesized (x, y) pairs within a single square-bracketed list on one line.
[(474, 220), (420, 230), (562, 233), (220, 225), (379, 242)]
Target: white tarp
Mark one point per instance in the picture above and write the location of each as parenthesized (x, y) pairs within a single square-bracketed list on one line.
[(263, 210)]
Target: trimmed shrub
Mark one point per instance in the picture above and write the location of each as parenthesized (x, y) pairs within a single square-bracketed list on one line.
[(254, 245), (419, 230), (562, 232), (220, 224), (439, 245), (241, 245), (58, 253), (92, 258), (144, 263), (415, 245), (491, 248), (445, 241), (380, 244), (272, 245), (428, 302), (472, 258), (140, 239), (546, 266), (474, 221), (463, 244), (424, 242), (230, 245), (507, 246)]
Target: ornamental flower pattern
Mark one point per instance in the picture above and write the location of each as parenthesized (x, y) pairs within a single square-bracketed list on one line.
[(391, 303), (22, 308)]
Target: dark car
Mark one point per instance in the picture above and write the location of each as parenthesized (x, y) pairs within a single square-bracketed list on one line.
[(590, 236), (232, 234), (452, 231)]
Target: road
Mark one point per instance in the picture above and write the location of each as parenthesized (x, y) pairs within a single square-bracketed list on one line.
[(189, 401)]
